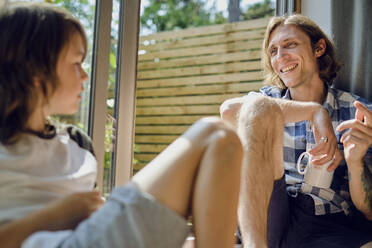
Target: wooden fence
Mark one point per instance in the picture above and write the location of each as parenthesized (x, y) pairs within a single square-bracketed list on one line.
[(185, 75)]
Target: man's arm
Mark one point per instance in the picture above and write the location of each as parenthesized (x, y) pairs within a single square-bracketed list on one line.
[(59, 215), (260, 121), (294, 111), (357, 139)]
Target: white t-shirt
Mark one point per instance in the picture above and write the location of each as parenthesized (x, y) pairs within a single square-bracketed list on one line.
[(37, 170)]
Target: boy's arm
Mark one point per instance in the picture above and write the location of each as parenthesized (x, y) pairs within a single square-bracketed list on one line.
[(63, 214)]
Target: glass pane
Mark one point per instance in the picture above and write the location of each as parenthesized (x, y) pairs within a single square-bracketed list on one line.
[(110, 118), (84, 11), (190, 60)]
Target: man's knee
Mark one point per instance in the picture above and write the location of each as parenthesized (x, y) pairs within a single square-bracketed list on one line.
[(260, 112)]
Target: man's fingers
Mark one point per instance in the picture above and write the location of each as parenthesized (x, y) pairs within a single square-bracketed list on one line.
[(323, 159), (356, 133), (363, 113), (359, 116), (336, 162), (319, 149), (354, 123), (328, 149), (352, 139), (326, 145)]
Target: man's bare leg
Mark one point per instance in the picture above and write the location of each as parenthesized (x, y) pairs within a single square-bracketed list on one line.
[(200, 172), (260, 127)]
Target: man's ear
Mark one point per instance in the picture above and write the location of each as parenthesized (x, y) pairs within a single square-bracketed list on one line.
[(320, 48), (36, 81)]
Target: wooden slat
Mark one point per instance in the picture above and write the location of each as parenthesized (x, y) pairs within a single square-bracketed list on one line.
[(145, 156), (230, 27), (200, 89), (161, 130), (214, 49), (137, 167), (254, 78), (150, 148), (213, 79), (186, 75), (202, 41), (168, 119), (200, 70), (155, 138), (201, 60), (179, 110), (206, 99)]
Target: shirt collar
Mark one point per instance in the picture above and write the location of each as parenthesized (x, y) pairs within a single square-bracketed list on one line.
[(331, 103), (287, 95)]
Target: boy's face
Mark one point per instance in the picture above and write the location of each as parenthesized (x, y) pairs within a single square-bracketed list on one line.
[(71, 75), (292, 57)]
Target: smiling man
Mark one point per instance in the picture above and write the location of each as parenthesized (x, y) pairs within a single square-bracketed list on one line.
[(301, 111)]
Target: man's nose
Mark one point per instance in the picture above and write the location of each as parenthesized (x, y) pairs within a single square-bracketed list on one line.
[(281, 53)]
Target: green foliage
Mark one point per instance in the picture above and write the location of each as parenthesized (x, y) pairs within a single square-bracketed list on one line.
[(109, 137), (81, 9), (219, 18), (164, 15), (259, 10)]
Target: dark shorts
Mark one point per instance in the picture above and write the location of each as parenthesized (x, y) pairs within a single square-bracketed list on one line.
[(290, 224)]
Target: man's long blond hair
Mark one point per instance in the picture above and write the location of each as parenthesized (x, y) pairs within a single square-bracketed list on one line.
[(327, 63)]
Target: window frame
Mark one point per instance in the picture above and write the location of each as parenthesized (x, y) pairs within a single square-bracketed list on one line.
[(99, 82), (126, 87), (125, 93)]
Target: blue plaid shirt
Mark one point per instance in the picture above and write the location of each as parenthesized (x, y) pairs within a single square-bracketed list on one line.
[(298, 137)]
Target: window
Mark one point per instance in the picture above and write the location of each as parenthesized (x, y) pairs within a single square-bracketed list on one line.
[(190, 60)]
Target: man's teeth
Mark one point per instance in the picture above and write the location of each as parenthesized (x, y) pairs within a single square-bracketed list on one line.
[(289, 68)]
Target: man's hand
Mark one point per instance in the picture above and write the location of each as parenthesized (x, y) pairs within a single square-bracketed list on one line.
[(326, 140), (358, 138)]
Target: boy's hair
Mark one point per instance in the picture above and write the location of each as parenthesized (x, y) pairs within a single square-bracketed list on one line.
[(327, 63), (32, 38)]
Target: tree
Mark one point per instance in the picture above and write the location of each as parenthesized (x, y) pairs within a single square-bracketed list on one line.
[(259, 10), (163, 15), (234, 10)]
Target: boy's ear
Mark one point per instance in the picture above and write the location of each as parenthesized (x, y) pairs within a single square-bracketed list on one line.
[(320, 48)]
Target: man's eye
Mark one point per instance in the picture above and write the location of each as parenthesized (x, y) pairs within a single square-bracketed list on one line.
[(292, 44), (272, 52)]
